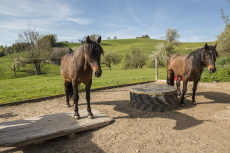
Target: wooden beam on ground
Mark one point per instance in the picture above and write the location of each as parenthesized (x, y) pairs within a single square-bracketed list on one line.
[(38, 129)]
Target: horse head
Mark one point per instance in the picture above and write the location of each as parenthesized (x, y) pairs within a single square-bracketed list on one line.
[(208, 57), (93, 51)]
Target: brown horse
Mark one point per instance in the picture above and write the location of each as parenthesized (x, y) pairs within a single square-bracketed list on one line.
[(77, 68), (190, 67)]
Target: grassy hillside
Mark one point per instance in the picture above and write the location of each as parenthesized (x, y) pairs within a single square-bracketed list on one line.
[(119, 45), (123, 45)]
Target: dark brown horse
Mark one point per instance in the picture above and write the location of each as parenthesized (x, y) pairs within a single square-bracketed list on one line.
[(77, 68), (190, 67)]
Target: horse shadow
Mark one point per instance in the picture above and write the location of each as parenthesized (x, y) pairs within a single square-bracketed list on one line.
[(7, 115), (215, 97)]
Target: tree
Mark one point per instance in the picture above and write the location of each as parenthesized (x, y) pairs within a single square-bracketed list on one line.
[(223, 40), (92, 37), (225, 18), (37, 50), (145, 36), (108, 38), (14, 59), (109, 58), (125, 63), (115, 37), (171, 41), (52, 39), (2, 51), (137, 57), (160, 53)]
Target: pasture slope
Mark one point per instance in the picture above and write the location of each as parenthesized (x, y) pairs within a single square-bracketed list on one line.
[(194, 128), (145, 44)]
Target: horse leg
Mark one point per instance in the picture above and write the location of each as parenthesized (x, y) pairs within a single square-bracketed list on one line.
[(66, 93), (185, 82), (178, 85), (87, 88), (76, 98), (194, 90)]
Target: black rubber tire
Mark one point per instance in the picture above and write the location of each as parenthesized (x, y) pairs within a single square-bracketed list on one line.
[(159, 103)]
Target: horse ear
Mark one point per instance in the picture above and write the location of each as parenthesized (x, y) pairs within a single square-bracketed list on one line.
[(99, 40), (87, 40), (205, 46), (215, 45)]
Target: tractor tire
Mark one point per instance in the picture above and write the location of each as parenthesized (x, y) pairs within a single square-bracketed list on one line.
[(153, 97)]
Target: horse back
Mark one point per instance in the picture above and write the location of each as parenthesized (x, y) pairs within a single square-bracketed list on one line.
[(177, 64), (65, 67)]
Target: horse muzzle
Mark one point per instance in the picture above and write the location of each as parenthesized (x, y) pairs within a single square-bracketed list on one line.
[(97, 73), (212, 69)]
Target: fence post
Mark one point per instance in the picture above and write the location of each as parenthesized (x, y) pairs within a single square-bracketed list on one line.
[(156, 67)]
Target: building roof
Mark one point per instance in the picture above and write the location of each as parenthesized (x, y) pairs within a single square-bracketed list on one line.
[(65, 50)]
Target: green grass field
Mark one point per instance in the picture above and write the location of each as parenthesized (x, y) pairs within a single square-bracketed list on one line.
[(51, 84), (27, 85)]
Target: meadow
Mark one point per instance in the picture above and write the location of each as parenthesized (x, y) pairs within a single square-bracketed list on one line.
[(27, 85)]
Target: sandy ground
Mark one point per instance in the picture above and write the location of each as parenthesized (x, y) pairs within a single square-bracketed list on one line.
[(204, 127)]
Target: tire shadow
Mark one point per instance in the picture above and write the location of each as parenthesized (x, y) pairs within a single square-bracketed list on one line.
[(183, 121)]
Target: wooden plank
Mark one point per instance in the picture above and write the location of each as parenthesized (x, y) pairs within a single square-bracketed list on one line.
[(37, 129)]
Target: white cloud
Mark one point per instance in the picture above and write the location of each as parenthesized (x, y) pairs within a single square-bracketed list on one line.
[(84, 21)]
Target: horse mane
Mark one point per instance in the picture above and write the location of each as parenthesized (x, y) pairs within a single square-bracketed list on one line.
[(196, 57)]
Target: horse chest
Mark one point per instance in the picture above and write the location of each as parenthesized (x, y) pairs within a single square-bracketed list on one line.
[(84, 78)]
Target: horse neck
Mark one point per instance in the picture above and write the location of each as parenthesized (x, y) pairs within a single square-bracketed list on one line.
[(79, 56), (79, 53)]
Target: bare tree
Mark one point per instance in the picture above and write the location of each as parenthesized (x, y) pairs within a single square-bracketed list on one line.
[(37, 50), (109, 58)]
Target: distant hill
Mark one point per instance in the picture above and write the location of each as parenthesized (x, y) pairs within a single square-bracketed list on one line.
[(123, 45)]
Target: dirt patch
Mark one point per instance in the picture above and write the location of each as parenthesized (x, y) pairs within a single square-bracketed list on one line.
[(201, 128)]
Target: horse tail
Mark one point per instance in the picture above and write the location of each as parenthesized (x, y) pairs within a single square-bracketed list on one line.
[(170, 74), (70, 90), (172, 78)]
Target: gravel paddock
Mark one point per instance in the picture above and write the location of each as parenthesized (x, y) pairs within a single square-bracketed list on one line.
[(203, 127)]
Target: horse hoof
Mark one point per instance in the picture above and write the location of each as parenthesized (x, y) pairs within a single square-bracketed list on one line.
[(76, 117), (90, 117), (194, 102), (182, 105)]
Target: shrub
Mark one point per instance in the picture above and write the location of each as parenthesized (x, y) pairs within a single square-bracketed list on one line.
[(223, 61), (221, 75)]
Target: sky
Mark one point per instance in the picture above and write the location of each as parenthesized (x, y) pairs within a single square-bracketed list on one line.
[(70, 20)]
